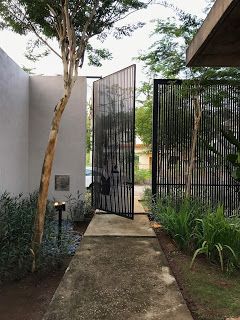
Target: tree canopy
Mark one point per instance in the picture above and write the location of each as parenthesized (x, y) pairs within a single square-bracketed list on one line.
[(71, 22), (166, 58), (143, 127)]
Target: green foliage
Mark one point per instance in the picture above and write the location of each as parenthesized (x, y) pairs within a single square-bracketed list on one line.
[(143, 124), (147, 196), (39, 13), (89, 210), (198, 228), (142, 176), (16, 224), (214, 294), (178, 218), (16, 230), (45, 20), (218, 238), (233, 158), (78, 206), (165, 58), (96, 55), (88, 135), (177, 123)]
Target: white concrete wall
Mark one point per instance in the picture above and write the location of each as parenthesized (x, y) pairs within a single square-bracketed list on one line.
[(70, 154), (13, 126)]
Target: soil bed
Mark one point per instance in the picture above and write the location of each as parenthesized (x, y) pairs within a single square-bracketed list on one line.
[(28, 298), (209, 294)]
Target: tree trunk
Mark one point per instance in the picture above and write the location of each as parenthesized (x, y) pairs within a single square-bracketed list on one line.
[(197, 122), (45, 177)]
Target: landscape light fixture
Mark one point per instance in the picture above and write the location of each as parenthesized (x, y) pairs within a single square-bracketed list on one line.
[(60, 207)]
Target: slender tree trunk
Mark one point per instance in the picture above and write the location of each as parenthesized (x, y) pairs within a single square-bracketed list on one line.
[(72, 55), (197, 122), (45, 177)]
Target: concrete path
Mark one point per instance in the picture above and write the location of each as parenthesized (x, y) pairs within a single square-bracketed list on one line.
[(138, 208), (118, 273), (113, 225)]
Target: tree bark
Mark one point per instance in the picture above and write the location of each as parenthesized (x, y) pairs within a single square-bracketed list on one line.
[(197, 122), (45, 177)]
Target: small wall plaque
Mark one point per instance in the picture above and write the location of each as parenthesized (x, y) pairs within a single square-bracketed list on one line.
[(62, 182)]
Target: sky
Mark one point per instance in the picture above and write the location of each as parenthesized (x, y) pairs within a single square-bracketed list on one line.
[(122, 50)]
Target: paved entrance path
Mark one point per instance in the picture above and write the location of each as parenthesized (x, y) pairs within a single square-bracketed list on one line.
[(118, 273)]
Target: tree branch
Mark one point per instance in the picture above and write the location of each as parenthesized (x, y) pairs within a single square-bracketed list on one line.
[(44, 41), (129, 13), (30, 27)]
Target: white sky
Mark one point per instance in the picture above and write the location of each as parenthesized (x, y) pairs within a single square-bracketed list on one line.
[(123, 50)]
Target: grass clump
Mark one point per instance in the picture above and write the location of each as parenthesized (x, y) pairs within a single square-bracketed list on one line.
[(199, 229)]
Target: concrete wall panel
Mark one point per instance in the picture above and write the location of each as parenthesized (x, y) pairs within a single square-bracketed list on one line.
[(14, 93), (45, 92)]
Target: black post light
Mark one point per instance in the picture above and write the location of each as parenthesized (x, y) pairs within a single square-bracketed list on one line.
[(60, 207)]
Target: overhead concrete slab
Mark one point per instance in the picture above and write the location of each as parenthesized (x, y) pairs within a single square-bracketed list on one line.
[(104, 224), (118, 278), (217, 43)]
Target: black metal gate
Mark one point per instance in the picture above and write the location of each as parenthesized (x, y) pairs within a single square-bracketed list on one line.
[(113, 142), (173, 122)]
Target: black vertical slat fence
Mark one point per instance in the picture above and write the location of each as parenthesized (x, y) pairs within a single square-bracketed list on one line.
[(173, 122), (114, 142)]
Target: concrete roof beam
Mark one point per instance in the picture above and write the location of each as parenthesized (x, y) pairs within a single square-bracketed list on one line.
[(217, 43)]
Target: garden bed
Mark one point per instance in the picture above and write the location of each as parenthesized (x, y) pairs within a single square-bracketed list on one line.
[(210, 294), (28, 298)]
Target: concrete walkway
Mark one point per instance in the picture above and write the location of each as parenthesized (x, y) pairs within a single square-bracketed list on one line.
[(138, 208), (118, 273)]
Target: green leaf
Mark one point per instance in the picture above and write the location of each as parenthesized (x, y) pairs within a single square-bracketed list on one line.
[(232, 158), (220, 249), (236, 174), (203, 249)]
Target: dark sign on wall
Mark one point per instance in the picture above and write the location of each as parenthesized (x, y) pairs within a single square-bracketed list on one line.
[(62, 182)]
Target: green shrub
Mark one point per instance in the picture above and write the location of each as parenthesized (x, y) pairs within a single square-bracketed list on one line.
[(142, 176), (80, 207), (16, 229), (178, 218), (147, 196)]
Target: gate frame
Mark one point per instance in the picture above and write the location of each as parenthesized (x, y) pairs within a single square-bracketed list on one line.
[(129, 215), (155, 123)]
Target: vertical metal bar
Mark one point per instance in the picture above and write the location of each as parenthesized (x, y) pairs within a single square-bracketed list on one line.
[(155, 138), (93, 147), (133, 133), (126, 142), (160, 137), (118, 164)]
